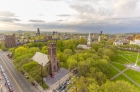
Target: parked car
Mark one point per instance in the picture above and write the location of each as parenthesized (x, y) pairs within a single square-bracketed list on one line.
[(1, 69), (10, 89)]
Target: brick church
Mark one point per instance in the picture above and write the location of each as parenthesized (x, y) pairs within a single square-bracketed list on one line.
[(56, 74), (50, 61)]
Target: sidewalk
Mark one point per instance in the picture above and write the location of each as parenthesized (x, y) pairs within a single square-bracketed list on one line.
[(2, 83)]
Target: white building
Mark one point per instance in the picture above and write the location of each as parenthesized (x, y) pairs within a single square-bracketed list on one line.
[(82, 46), (120, 42), (137, 42)]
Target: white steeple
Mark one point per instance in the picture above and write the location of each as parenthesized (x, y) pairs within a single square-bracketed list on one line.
[(88, 40), (99, 39)]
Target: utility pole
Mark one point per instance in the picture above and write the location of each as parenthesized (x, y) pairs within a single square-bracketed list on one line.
[(41, 73)]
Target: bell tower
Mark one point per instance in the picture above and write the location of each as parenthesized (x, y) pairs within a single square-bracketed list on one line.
[(54, 63)]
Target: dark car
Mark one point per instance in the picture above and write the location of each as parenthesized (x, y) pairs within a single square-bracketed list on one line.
[(32, 83)]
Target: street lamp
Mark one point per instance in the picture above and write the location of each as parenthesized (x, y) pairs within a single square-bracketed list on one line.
[(41, 65)]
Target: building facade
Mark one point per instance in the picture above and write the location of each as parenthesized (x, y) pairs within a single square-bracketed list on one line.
[(47, 38), (10, 40), (53, 62)]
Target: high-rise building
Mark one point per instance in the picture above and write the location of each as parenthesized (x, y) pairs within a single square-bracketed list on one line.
[(38, 32), (100, 32), (10, 40), (54, 63)]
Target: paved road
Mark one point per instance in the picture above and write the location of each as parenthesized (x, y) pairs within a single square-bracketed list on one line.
[(18, 81), (124, 75)]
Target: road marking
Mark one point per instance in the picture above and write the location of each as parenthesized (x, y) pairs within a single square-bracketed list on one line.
[(11, 74)]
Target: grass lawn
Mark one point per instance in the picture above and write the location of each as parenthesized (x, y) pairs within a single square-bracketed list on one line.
[(121, 77), (114, 72), (120, 67), (119, 59), (134, 75), (129, 55), (122, 58)]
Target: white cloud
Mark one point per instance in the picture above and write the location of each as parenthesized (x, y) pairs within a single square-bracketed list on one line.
[(68, 12)]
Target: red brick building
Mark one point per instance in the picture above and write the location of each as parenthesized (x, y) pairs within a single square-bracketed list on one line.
[(10, 40)]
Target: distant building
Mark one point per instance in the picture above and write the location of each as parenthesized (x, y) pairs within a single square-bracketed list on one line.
[(82, 46), (130, 38), (136, 42), (100, 32), (47, 38), (38, 32), (10, 40), (120, 42), (1, 37)]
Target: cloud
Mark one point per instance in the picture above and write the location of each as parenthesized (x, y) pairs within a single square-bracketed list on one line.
[(40, 14), (83, 8), (59, 20), (126, 5), (64, 15), (36, 21), (7, 14), (3, 19)]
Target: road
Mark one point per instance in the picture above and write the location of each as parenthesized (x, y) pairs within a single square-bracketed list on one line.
[(18, 81)]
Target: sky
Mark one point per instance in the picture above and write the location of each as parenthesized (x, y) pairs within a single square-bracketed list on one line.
[(109, 16)]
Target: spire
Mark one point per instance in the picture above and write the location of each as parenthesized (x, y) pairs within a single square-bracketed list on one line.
[(99, 39), (88, 40)]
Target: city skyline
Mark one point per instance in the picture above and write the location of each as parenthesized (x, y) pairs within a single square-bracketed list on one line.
[(110, 16)]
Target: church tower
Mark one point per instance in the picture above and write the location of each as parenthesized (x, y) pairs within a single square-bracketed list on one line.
[(54, 63), (88, 40)]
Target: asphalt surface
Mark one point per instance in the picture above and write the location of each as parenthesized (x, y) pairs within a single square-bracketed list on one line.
[(18, 81)]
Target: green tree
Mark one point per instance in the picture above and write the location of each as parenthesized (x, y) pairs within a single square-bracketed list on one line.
[(44, 50), (3, 47), (33, 50), (118, 86), (72, 63), (20, 51)]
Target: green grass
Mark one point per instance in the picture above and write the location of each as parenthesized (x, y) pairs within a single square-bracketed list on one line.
[(120, 67), (121, 77), (114, 72), (44, 86), (135, 75), (129, 55), (119, 59)]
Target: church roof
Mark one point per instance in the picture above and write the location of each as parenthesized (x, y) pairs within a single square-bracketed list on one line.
[(83, 46), (41, 58)]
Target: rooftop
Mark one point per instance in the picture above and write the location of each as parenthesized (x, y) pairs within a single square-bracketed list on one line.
[(41, 58)]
